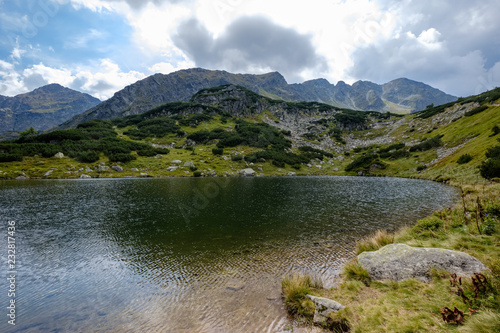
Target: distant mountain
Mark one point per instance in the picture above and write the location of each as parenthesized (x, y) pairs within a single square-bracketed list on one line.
[(43, 108), (158, 89)]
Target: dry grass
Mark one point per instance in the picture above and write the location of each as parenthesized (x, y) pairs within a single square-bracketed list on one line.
[(372, 243)]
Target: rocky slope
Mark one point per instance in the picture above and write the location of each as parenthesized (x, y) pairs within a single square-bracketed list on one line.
[(402, 94), (42, 108)]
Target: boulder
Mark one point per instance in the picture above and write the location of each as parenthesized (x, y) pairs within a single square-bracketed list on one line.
[(176, 162), (117, 168), (291, 174), (172, 168), (189, 164), (84, 176), (102, 168), (134, 169), (48, 173), (22, 178), (247, 172), (59, 155), (399, 261), (323, 307)]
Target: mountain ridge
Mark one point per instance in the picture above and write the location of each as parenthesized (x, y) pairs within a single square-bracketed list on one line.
[(42, 108), (159, 89)]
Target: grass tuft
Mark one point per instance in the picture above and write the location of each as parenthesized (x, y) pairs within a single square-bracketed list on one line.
[(353, 271), (380, 239), (487, 321), (295, 288)]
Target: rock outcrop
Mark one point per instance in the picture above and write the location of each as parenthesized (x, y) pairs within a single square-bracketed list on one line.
[(399, 261)]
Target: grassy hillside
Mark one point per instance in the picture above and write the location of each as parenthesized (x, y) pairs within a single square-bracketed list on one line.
[(424, 145)]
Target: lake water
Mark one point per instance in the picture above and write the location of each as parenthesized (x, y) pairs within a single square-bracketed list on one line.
[(187, 254)]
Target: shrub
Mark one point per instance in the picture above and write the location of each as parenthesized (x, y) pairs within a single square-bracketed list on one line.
[(279, 164), (476, 110), (465, 158), (362, 162), (10, 157), (428, 144), (218, 151), (427, 226), (495, 130), (236, 158), (162, 151), (88, 156), (200, 136), (121, 157), (197, 174), (490, 168), (146, 152), (421, 167)]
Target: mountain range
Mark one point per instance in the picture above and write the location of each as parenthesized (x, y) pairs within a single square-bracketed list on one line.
[(153, 91), (42, 108)]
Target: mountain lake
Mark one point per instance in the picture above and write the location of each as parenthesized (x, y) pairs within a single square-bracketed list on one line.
[(187, 254)]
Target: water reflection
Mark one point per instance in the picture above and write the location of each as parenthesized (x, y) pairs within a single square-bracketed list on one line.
[(121, 255)]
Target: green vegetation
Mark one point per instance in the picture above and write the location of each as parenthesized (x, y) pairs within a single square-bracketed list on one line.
[(295, 288), (491, 167), (428, 144), (465, 158), (85, 144)]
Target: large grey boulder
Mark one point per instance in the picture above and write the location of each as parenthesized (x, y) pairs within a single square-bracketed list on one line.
[(247, 172), (117, 168), (59, 155), (322, 307), (103, 168), (399, 261)]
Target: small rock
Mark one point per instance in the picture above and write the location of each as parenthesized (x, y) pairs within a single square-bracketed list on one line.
[(172, 168), (102, 168), (59, 155), (323, 307), (158, 156), (309, 165), (84, 176), (22, 178), (102, 163), (291, 174), (134, 169), (225, 158), (117, 168), (189, 164), (87, 169), (260, 169), (48, 173), (176, 162), (144, 174), (235, 286)]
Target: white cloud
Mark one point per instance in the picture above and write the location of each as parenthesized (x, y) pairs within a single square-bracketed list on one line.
[(100, 81), (166, 67)]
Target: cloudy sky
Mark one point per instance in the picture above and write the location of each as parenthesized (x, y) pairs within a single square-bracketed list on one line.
[(100, 46)]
